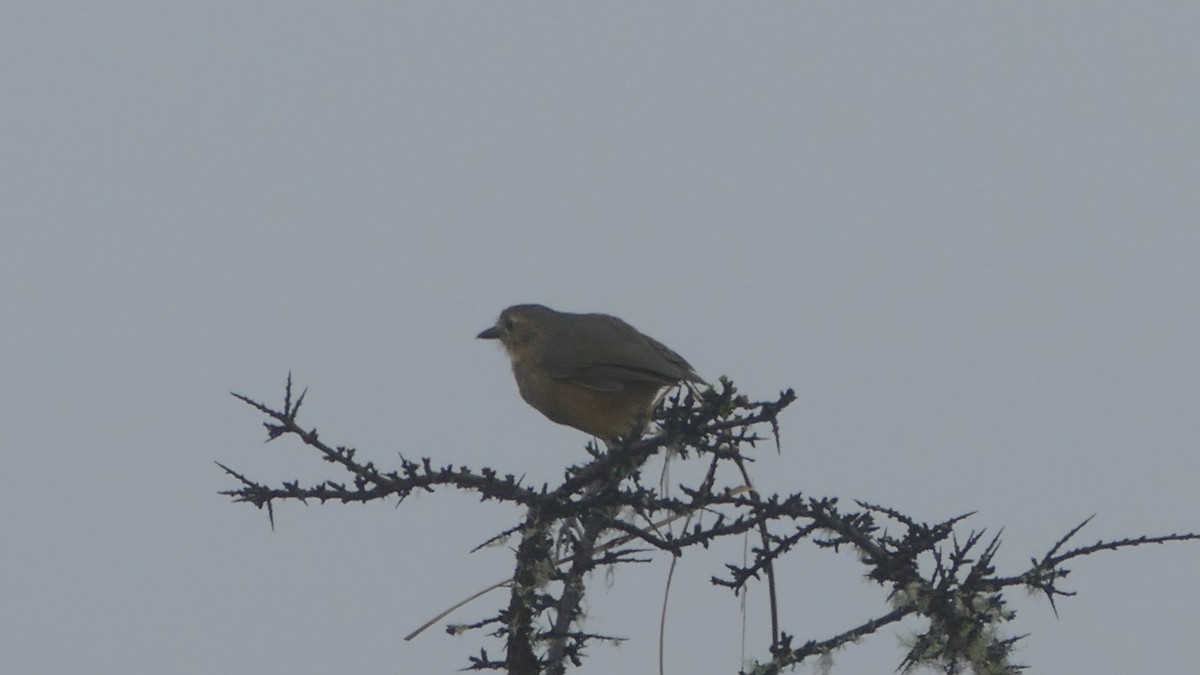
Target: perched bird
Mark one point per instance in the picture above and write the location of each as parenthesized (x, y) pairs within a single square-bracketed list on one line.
[(593, 372)]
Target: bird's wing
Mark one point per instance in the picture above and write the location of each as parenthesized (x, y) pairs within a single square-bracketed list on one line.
[(602, 354)]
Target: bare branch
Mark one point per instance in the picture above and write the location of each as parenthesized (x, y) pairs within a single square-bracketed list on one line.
[(602, 514)]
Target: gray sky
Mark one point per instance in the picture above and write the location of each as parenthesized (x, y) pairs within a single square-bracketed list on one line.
[(966, 234)]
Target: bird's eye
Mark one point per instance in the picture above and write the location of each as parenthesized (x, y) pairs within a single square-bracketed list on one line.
[(508, 323)]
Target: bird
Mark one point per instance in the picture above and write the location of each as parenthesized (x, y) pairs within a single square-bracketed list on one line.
[(593, 372)]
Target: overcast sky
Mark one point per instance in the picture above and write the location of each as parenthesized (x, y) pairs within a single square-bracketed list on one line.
[(966, 234)]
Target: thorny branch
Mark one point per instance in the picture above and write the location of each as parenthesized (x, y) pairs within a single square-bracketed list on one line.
[(930, 570)]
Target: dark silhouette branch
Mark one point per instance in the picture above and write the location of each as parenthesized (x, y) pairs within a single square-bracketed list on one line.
[(590, 520)]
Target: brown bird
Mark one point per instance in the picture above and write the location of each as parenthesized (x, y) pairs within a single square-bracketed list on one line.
[(593, 372)]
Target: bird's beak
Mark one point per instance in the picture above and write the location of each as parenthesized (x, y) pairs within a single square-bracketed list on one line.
[(489, 333)]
